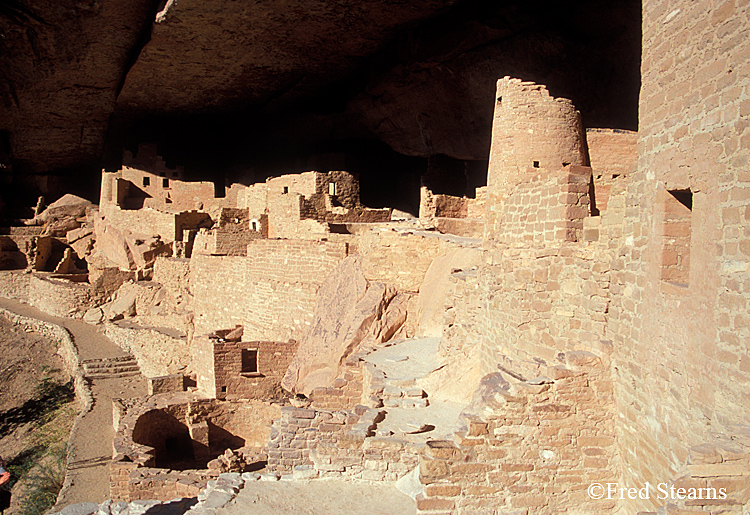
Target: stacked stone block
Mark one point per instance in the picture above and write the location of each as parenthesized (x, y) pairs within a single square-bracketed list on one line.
[(271, 292), (533, 447), (549, 206), (683, 360), (232, 382)]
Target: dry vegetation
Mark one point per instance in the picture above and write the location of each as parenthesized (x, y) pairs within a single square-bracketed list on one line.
[(36, 415)]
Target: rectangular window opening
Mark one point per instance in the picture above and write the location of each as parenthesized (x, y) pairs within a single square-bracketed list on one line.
[(146, 181), (675, 258), (249, 361), (536, 164), (165, 183), (286, 189)]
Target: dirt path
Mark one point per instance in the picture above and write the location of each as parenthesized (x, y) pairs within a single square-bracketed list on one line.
[(92, 439)]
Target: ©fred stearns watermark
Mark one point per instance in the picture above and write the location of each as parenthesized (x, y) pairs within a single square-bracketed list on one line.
[(660, 491)]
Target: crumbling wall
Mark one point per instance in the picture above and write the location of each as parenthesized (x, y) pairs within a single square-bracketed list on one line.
[(540, 302), (528, 445), (159, 351), (532, 133), (211, 425), (401, 258)]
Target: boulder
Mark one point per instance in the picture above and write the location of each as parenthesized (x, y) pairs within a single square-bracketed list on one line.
[(347, 308), (127, 250), (66, 207)]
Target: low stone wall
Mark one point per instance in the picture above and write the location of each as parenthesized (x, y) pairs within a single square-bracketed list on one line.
[(157, 352), (401, 258), (717, 477), (212, 426), (333, 437), (327, 443), (68, 351), (57, 297)]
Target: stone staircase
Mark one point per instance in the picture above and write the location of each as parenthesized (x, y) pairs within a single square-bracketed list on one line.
[(391, 382), (109, 368)]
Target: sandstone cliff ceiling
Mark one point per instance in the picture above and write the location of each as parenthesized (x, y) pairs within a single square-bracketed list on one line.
[(226, 80)]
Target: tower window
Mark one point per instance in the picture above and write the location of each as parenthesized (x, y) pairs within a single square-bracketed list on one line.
[(536, 164), (147, 181), (165, 183)]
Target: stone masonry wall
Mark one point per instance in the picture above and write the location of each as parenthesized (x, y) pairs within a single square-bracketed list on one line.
[(548, 206), (531, 132), (530, 447), (539, 302), (235, 380), (401, 258), (159, 352), (271, 292), (145, 221), (613, 155), (682, 350)]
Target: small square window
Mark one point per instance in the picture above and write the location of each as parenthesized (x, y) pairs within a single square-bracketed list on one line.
[(249, 361), (147, 181), (165, 183), (536, 164)]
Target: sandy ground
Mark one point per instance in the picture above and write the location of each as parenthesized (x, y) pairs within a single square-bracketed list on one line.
[(92, 438), (25, 359), (319, 497)]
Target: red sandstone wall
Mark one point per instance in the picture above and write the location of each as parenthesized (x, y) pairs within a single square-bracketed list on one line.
[(682, 351)]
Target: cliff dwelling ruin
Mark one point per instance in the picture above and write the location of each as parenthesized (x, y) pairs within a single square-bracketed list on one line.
[(497, 256)]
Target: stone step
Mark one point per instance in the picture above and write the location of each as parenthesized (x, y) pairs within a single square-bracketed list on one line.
[(120, 366), (112, 376), (109, 366)]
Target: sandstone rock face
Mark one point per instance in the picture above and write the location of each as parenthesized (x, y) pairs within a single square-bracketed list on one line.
[(347, 308), (66, 214), (414, 75), (67, 206), (62, 64), (259, 50), (434, 298)]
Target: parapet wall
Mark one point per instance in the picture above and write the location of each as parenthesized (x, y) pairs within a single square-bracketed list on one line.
[(58, 297)]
